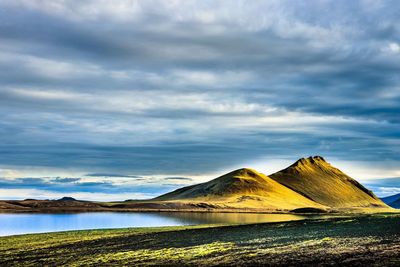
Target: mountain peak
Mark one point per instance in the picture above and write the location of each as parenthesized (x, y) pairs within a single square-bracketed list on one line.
[(309, 162), (66, 199), (318, 180), (241, 188), (311, 159), (244, 172), (317, 158), (309, 182)]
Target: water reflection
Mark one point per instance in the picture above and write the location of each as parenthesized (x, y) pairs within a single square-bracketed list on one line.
[(11, 224), (215, 218)]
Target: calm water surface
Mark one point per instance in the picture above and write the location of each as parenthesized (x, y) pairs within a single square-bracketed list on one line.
[(12, 224)]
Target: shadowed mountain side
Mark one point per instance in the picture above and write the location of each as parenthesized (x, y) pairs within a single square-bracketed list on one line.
[(317, 180), (395, 204), (243, 188), (393, 201)]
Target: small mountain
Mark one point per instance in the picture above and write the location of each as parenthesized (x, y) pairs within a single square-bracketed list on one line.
[(317, 180), (66, 199), (395, 204), (393, 201), (242, 188)]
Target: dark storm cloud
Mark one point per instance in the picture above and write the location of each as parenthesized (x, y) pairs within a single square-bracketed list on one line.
[(46, 31), (193, 88), (143, 159), (162, 159)]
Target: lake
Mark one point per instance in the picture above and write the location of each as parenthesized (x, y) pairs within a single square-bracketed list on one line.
[(13, 224)]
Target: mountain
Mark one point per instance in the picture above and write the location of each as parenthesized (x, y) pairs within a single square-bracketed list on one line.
[(309, 185), (66, 199), (395, 204), (393, 201), (317, 180), (243, 188)]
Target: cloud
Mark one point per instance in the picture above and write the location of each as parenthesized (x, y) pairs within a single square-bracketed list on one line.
[(384, 187), (178, 178), (394, 47), (19, 194), (84, 186), (113, 175), (37, 182), (184, 88), (65, 180)]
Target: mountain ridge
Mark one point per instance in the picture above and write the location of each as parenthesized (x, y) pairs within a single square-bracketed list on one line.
[(318, 180), (308, 183), (241, 188)]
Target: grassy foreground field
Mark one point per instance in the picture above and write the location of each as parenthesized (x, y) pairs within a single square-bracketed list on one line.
[(365, 240)]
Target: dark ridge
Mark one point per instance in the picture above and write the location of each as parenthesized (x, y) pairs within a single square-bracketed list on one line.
[(317, 158), (308, 210), (298, 162), (311, 159), (390, 199), (66, 199), (177, 191), (395, 204), (18, 203), (362, 188)]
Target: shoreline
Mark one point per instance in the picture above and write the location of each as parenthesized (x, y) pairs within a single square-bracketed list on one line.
[(78, 206), (256, 211)]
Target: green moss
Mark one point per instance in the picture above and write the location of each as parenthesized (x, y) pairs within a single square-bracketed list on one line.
[(257, 244), (166, 255)]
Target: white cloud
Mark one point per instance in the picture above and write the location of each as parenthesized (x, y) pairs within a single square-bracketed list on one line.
[(50, 68), (45, 194), (206, 78), (168, 117), (369, 171), (10, 173), (60, 70), (391, 48), (394, 47), (47, 95), (386, 191)]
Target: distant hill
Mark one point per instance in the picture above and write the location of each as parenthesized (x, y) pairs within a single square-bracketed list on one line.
[(66, 199), (243, 188), (317, 180), (395, 204), (393, 201)]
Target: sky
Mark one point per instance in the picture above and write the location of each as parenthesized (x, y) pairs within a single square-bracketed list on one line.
[(114, 100)]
